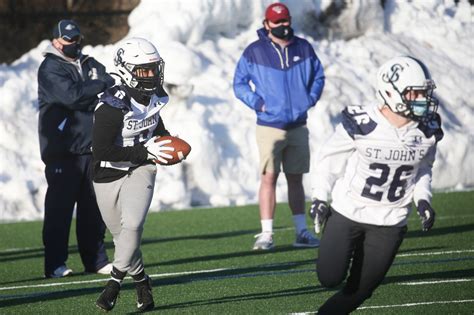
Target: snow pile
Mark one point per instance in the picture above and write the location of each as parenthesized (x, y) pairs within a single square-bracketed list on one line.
[(201, 42)]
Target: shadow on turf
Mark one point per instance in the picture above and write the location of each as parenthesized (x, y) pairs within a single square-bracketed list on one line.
[(38, 252), (67, 294), (244, 297), (22, 299), (28, 253), (31, 298), (440, 231), (312, 290), (246, 272), (198, 236), (277, 249)]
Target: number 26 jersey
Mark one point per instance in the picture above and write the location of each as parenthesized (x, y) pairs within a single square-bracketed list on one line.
[(373, 170)]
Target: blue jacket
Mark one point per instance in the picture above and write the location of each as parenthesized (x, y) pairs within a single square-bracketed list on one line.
[(287, 81), (66, 104)]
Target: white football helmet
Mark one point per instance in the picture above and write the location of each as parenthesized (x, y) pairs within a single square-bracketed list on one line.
[(399, 76), (135, 54)]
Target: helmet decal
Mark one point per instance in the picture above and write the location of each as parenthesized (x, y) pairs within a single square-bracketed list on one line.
[(118, 57), (393, 75)]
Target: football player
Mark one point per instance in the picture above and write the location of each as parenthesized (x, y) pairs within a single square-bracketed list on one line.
[(126, 123), (367, 174)]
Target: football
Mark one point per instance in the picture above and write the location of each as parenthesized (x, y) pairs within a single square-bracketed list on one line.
[(181, 149)]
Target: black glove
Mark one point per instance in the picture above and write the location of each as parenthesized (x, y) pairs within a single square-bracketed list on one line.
[(427, 214), (319, 212)]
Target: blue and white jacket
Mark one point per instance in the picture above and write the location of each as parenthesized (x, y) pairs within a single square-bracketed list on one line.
[(287, 81)]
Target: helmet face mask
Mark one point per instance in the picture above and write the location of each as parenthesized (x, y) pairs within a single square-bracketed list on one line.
[(421, 108), (399, 81), (145, 83), (134, 60)]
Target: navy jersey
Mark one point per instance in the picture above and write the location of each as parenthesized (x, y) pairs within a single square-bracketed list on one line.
[(122, 126)]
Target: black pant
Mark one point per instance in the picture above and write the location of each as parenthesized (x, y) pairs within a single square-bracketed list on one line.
[(69, 183), (372, 250)]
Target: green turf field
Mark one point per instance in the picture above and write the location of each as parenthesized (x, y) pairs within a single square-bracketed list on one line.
[(202, 263)]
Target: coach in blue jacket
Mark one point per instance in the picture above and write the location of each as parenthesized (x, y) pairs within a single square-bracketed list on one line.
[(68, 84), (288, 79)]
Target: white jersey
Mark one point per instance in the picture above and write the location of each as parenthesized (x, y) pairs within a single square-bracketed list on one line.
[(372, 170)]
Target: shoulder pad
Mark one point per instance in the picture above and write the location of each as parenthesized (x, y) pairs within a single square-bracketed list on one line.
[(432, 128), (117, 97), (356, 121)]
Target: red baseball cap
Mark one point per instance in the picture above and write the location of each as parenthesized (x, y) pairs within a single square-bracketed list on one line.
[(276, 12)]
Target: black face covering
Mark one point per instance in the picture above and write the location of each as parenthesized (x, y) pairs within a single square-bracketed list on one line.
[(282, 32), (73, 50)]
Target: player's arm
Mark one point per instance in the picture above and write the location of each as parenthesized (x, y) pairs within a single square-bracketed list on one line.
[(160, 130), (107, 125), (330, 165), (422, 191), (423, 177), (331, 162)]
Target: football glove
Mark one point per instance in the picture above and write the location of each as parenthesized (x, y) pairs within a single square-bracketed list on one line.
[(156, 150), (319, 212), (426, 213)]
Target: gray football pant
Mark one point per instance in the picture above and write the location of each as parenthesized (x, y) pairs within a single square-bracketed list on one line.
[(124, 204)]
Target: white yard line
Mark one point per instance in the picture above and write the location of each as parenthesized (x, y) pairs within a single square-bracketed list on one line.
[(159, 275), (398, 305), (461, 251), (415, 304), (55, 284), (435, 282), (14, 250)]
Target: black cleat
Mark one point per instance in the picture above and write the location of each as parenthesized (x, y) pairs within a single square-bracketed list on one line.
[(144, 296), (108, 297)]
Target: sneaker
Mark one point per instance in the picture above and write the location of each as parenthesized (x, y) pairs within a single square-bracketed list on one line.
[(105, 270), (144, 296), (264, 241), (61, 271), (306, 239), (108, 297)]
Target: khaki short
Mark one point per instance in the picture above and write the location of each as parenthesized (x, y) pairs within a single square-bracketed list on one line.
[(287, 147)]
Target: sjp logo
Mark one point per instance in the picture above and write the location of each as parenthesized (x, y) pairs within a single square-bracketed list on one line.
[(393, 75)]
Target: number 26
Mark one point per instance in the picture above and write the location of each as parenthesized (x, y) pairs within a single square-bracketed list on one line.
[(396, 183)]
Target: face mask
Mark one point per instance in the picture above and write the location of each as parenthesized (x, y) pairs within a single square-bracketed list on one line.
[(72, 51), (282, 32)]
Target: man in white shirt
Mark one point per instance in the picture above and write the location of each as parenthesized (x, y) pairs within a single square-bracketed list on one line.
[(376, 163)]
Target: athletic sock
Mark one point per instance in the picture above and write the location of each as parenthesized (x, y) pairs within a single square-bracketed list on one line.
[(117, 275), (267, 225), (300, 223), (139, 277)]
